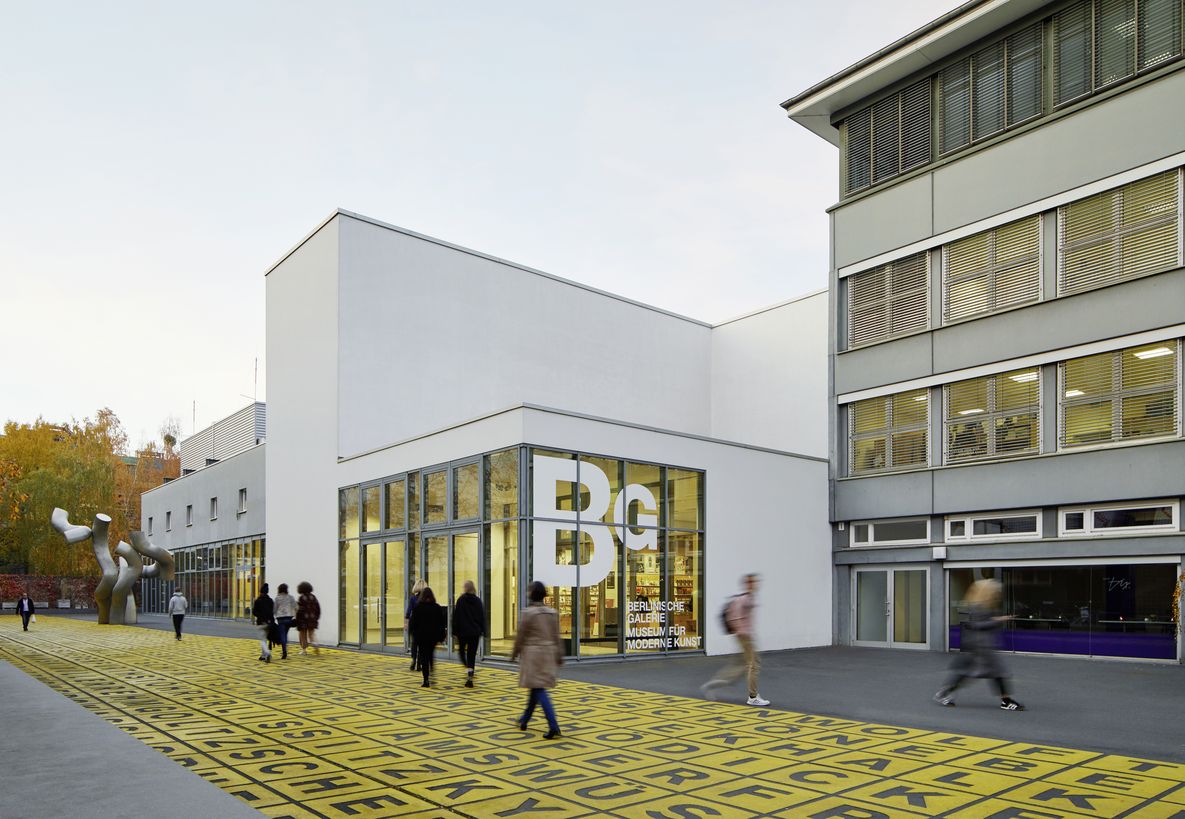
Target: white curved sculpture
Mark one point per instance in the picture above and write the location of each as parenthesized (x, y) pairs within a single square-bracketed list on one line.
[(113, 595)]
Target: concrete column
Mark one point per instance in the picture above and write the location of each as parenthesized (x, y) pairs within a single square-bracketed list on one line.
[(1049, 400), (1048, 255)]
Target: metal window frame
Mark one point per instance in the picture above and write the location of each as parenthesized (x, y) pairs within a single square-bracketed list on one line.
[(887, 432), (970, 520), (993, 413), (993, 271), (874, 543)]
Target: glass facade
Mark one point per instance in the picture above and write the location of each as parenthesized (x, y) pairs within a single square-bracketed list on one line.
[(218, 579), (626, 556), (1103, 610)]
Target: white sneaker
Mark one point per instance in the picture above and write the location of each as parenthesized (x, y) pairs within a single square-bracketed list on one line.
[(756, 701), (708, 691)]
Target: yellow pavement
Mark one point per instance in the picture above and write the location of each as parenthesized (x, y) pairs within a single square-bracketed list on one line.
[(346, 734)]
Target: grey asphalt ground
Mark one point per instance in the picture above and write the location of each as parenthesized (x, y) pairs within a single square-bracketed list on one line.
[(62, 761)]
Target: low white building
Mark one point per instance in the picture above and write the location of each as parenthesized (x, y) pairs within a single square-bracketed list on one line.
[(437, 413)]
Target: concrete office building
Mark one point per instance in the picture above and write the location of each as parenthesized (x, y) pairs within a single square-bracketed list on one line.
[(438, 413), (1007, 311), (212, 518)]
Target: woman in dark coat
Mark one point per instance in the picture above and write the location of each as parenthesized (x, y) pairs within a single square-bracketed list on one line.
[(308, 616), (538, 651), (428, 627), (469, 626), (411, 606), (979, 637)]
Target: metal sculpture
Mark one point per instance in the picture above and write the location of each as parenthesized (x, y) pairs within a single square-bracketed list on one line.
[(113, 596)]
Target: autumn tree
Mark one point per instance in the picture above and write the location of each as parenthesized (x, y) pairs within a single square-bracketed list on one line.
[(43, 465)]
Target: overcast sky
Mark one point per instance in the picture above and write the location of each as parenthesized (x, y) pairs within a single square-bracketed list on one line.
[(159, 157)]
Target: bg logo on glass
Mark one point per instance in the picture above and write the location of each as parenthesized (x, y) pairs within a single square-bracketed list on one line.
[(551, 471)]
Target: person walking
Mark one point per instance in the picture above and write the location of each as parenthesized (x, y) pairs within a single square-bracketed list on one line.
[(285, 614), (178, 605), (469, 626), (308, 616), (538, 651), (416, 588), (738, 619), (264, 610), (428, 627), (26, 609), (979, 637)]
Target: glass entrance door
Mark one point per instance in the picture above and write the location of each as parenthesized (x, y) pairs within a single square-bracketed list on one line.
[(372, 595), (449, 560), (889, 606), (395, 588)]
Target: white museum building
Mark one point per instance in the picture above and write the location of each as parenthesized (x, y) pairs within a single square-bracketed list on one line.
[(437, 413)]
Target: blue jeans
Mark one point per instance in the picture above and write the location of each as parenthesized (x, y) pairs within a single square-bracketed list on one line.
[(540, 696), (284, 623)]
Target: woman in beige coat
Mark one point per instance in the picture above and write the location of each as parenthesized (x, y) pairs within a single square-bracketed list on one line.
[(538, 652)]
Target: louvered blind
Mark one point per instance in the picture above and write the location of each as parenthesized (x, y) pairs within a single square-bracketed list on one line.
[(994, 88), (1120, 396), (1072, 37), (1024, 74), (889, 432), (1115, 41), (954, 99), (888, 138), (993, 270), (889, 300), (858, 131), (987, 106), (1159, 34), (1119, 234), (997, 416)]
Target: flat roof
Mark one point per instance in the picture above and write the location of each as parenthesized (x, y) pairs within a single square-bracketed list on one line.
[(930, 44)]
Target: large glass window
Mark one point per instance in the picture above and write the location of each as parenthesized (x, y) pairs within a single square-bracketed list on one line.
[(889, 432), (997, 416), (466, 491), (998, 526), (397, 504), (371, 508), (1120, 396), (1107, 610), (600, 609), (501, 479), (889, 301), (435, 497), (1132, 517), (993, 270), (888, 138), (350, 599), (501, 592), (1120, 234), (685, 499), (395, 590), (347, 512), (891, 532)]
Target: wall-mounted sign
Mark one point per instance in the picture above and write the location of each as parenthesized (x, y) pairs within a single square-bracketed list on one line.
[(593, 482)]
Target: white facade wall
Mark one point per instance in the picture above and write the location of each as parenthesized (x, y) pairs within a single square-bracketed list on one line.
[(302, 415), (433, 335), (769, 377)]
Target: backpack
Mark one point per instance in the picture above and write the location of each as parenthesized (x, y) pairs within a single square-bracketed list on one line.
[(726, 614)]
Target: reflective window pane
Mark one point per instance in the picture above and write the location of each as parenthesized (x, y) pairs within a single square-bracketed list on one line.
[(501, 592), (371, 509), (465, 492), (501, 483), (347, 512), (396, 504), (644, 495), (685, 496), (351, 592), (435, 497), (600, 608), (599, 473), (685, 564), (548, 500)]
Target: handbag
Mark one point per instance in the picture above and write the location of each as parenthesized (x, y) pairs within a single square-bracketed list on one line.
[(32, 618)]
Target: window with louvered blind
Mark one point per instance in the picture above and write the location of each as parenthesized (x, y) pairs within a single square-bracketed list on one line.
[(997, 416), (993, 270), (889, 432), (889, 300), (993, 89), (1097, 43), (1119, 234), (888, 138), (1120, 396)]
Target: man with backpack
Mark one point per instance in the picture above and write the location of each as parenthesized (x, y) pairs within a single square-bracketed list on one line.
[(738, 621)]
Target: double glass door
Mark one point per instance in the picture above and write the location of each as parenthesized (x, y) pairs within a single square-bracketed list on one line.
[(449, 560), (387, 570), (889, 606)]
